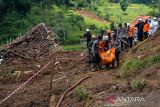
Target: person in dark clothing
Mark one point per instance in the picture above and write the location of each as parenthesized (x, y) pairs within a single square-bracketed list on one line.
[(95, 52), (91, 59), (122, 35), (116, 43), (125, 26), (109, 34), (102, 32), (139, 26), (88, 35)]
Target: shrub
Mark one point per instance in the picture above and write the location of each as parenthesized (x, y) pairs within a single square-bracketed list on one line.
[(81, 93), (112, 26), (107, 17), (137, 83), (93, 27), (129, 67), (154, 13)]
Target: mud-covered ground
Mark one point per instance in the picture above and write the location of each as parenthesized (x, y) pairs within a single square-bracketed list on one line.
[(70, 68), (38, 91)]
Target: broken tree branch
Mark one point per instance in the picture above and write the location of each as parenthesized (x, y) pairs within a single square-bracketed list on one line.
[(71, 88)]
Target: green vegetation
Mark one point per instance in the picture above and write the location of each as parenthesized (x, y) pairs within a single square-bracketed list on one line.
[(124, 4), (137, 83), (18, 16), (113, 12), (73, 47), (62, 18), (81, 93), (133, 65), (134, 1)]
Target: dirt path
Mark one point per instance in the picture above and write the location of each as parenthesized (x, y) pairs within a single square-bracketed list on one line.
[(86, 13)]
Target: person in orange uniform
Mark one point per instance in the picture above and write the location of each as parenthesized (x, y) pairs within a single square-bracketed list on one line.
[(131, 33), (146, 29), (104, 44)]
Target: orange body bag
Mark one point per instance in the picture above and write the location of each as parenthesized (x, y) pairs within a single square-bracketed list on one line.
[(108, 56)]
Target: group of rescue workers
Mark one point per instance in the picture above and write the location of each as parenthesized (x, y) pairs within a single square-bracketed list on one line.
[(121, 39)]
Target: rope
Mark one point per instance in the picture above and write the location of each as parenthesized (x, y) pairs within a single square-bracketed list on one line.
[(21, 86)]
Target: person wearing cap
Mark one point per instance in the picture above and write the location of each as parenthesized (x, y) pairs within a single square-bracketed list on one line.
[(131, 33), (88, 35), (155, 24), (146, 29), (139, 26)]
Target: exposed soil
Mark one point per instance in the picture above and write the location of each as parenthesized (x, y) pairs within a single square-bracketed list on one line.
[(71, 68), (37, 92), (150, 47), (85, 13)]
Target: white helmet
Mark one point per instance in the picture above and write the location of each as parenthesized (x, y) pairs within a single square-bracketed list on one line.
[(155, 18), (140, 19), (128, 24), (105, 38), (87, 30)]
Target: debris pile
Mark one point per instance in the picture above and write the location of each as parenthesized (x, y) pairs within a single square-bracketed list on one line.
[(40, 41)]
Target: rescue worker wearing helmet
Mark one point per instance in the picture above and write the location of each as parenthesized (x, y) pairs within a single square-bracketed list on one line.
[(139, 26), (155, 24), (105, 43), (88, 35)]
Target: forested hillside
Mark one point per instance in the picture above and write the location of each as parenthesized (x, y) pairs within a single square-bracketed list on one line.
[(17, 16)]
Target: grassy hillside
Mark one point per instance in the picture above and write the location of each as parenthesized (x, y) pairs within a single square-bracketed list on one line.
[(114, 12), (141, 67)]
